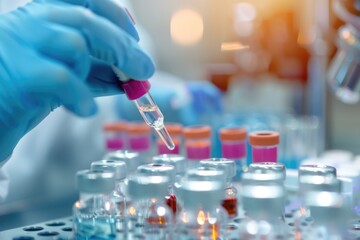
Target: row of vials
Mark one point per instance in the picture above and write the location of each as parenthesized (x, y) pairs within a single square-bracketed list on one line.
[(195, 142), (171, 198)]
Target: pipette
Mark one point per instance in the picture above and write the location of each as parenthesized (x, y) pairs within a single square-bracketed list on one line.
[(138, 91)]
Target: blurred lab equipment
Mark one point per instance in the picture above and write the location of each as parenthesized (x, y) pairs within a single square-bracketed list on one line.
[(115, 136), (344, 70)]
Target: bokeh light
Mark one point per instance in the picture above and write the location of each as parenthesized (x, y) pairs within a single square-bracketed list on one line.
[(186, 27)]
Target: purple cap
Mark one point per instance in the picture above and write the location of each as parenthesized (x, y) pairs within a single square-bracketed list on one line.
[(135, 89)]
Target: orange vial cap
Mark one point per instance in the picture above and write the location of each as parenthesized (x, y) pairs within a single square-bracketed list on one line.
[(200, 131), (115, 127), (138, 128), (233, 133), (174, 128), (264, 138)]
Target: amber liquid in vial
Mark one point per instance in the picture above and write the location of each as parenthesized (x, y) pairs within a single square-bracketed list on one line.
[(230, 205)]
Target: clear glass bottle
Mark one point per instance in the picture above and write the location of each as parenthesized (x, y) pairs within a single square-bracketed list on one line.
[(160, 169), (154, 219), (197, 144), (264, 146), (131, 158), (178, 161), (309, 184), (229, 202), (175, 131), (95, 214), (263, 205), (331, 216), (119, 169), (201, 217), (268, 167), (115, 136), (233, 146)]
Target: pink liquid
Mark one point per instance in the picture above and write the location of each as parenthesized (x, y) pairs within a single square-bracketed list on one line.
[(233, 149), (140, 143), (162, 149), (264, 154), (115, 143), (198, 152)]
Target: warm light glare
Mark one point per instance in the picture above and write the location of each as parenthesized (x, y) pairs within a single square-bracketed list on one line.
[(186, 27), (161, 211), (233, 46), (132, 211), (201, 218)]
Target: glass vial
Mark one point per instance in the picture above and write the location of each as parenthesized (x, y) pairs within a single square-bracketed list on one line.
[(229, 202), (139, 135), (197, 143), (95, 214), (264, 146), (201, 217), (263, 205), (119, 169), (233, 146), (160, 169), (154, 219), (115, 136)]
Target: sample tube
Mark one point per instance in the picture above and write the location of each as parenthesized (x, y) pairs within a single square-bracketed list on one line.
[(154, 219), (228, 166), (131, 158), (233, 146), (138, 91), (139, 137), (119, 170), (178, 161), (268, 167), (158, 169), (115, 135), (197, 143), (200, 218), (263, 205), (175, 131), (264, 146), (95, 214)]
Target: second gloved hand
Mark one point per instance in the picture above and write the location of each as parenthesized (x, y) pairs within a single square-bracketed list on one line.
[(47, 60)]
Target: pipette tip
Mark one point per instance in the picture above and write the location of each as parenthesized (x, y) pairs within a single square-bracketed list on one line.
[(165, 137)]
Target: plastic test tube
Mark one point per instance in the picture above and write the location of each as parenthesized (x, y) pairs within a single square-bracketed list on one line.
[(197, 143), (233, 146), (138, 91), (175, 131), (264, 146), (115, 135)]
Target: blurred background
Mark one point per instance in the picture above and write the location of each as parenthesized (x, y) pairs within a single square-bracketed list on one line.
[(269, 60)]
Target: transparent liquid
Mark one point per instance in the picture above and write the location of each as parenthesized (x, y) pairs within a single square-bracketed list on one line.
[(152, 116), (100, 228)]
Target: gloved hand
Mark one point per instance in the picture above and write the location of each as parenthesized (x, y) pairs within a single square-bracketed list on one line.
[(206, 97), (54, 53)]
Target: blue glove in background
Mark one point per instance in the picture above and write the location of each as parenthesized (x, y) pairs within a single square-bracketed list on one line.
[(54, 53), (207, 98)]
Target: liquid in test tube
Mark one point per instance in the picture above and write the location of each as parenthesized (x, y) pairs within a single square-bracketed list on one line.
[(138, 91)]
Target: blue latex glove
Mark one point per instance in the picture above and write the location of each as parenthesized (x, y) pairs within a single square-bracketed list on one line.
[(47, 52), (206, 97)]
